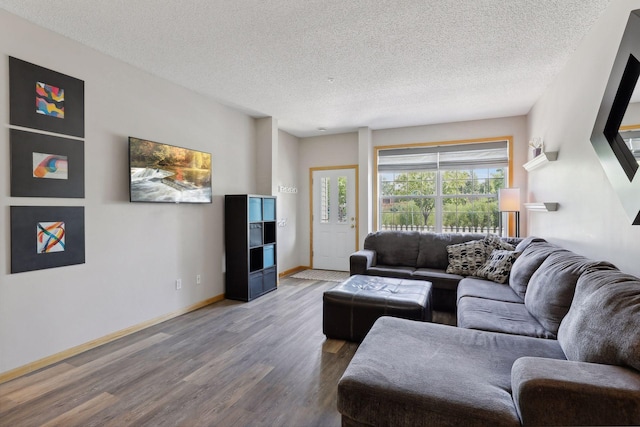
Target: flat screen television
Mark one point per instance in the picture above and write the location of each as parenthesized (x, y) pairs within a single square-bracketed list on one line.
[(168, 174)]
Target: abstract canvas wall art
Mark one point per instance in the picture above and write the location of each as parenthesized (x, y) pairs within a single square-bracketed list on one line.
[(46, 165), (40, 98), (46, 237), (50, 166), (49, 100), (50, 237)]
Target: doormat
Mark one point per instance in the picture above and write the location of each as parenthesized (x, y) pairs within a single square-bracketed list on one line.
[(322, 275)]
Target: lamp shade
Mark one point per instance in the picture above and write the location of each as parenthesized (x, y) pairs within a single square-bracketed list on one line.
[(509, 200)]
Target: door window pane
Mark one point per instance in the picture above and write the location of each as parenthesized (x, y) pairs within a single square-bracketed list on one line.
[(342, 199), (325, 200)]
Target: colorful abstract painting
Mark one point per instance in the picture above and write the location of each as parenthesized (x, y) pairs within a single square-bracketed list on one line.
[(51, 166), (45, 165), (58, 99), (46, 237), (50, 236), (49, 100)]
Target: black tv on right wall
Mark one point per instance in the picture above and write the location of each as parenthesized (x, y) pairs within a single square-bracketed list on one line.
[(163, 173)]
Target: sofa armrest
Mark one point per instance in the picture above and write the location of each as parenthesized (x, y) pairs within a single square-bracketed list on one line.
[(360, 261), (561, 392)]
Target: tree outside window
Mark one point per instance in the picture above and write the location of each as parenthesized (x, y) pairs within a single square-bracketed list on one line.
[(464, 200)]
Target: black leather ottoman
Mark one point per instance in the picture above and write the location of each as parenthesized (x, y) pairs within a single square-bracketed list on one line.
[(351, 308)]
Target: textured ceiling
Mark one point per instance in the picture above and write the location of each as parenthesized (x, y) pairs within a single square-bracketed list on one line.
[(338, 64)]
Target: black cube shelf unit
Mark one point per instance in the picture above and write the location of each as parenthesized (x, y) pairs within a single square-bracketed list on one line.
[(250, 245)]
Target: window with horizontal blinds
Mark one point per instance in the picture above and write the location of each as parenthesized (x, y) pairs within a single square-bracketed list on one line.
[(450, 188), (463, 156)]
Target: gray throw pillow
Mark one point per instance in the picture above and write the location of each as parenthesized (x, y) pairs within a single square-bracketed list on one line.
[(603, 324), (498, 266)]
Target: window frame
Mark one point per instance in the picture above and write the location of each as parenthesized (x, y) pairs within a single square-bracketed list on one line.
[(376, 175)]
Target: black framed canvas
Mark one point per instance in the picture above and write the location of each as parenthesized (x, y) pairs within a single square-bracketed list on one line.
[(165, 173), (44, 99), (46, 166), (46, 237)]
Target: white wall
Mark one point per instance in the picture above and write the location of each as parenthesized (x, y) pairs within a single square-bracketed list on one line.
[(134, 252), (287, 175), (365, 184), (343, 149), (319, 151), (266, 155), (591, 219)]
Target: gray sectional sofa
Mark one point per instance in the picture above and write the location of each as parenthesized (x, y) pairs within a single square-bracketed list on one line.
[(557, 344), (414, 255)]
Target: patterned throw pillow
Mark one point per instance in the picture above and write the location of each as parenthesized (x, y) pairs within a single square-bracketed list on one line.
[(466, 258), (498, 266), (494, 242)]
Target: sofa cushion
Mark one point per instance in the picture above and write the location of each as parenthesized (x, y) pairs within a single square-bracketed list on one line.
[(550, 290), (603, 324), (533, 255), (524, 243), (499, 316), (391, 271), (394, 247), (466, 258), (497, 266), (552, 392), (480, 288), (408, 373), (433, 248), (438, 278)]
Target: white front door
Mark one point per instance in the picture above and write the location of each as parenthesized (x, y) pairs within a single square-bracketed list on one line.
[(334, 222)]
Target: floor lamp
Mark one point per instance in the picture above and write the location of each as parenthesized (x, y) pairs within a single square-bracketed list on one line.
[(509, 201)]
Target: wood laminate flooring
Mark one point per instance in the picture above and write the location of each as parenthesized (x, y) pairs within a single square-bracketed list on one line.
[(262, 363)]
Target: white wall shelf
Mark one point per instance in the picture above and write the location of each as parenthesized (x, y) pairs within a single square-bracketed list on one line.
[(541, 160), (542, 207)]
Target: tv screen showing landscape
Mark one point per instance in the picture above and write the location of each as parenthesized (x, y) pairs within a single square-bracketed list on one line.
[(168, 174)]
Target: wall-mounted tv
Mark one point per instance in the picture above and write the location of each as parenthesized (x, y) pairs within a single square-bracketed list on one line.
[(168, 174)]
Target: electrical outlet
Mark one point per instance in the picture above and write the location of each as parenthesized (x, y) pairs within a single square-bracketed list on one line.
[(198, 280), (178, 284)]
